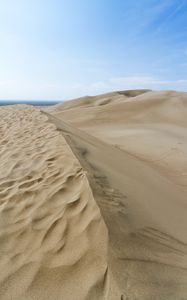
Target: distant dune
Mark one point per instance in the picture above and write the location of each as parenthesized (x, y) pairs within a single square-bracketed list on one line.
[(93, 198)]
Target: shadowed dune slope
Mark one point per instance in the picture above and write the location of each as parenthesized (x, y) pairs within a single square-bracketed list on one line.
[(140, 190), (53, 240)]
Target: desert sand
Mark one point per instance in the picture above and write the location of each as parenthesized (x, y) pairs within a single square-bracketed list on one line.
[(53, 239), (93, 198)]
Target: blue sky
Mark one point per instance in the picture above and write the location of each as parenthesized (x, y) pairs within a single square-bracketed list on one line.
[(60, 49)]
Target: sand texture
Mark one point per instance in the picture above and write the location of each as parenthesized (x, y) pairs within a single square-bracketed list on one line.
[(93, 198), (53, 241), (134, 147)]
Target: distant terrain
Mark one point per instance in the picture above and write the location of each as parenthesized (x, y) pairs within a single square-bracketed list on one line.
[(29, 102)]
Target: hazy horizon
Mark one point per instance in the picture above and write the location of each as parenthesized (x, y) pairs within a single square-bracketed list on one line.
[(56, 101)]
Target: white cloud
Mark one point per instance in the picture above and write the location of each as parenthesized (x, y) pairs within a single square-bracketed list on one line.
[(123, 83), (178, 7), (60, 91), (148, 82), (137, 80)]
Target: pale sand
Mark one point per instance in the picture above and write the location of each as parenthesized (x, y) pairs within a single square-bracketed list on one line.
[(126, 153), (137, 168), (53, 241)]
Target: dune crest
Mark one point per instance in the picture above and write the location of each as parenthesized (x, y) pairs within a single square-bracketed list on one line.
[(53, 239), (93, 198), (133, 149), (150, 125)]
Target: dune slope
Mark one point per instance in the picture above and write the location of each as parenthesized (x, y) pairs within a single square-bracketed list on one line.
[(151, 126), (53, 240), (140, 191), (100, 100)]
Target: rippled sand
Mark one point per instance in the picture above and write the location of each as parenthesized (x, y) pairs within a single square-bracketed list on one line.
[(53, 241)]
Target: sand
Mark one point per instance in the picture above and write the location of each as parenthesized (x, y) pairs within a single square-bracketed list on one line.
[(134, 150), (93, 198), (53, 240)]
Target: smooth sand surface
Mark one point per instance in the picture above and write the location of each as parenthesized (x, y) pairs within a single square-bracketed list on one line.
[(53, 240), (134, 148)]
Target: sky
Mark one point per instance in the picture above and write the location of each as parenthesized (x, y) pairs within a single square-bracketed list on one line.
[(63, 49)]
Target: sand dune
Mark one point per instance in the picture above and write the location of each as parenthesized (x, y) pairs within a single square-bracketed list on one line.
[(151, 126), (53, 239), (93, 198), (100, 100), (136, 165)]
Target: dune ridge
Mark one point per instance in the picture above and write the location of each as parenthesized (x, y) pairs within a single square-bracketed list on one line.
[(53, 239), (134, 152), (147, 249), (93, 198), (151, 126), (99, 100)]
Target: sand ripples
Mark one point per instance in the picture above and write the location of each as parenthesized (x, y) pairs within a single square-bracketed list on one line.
[(49, 221)]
